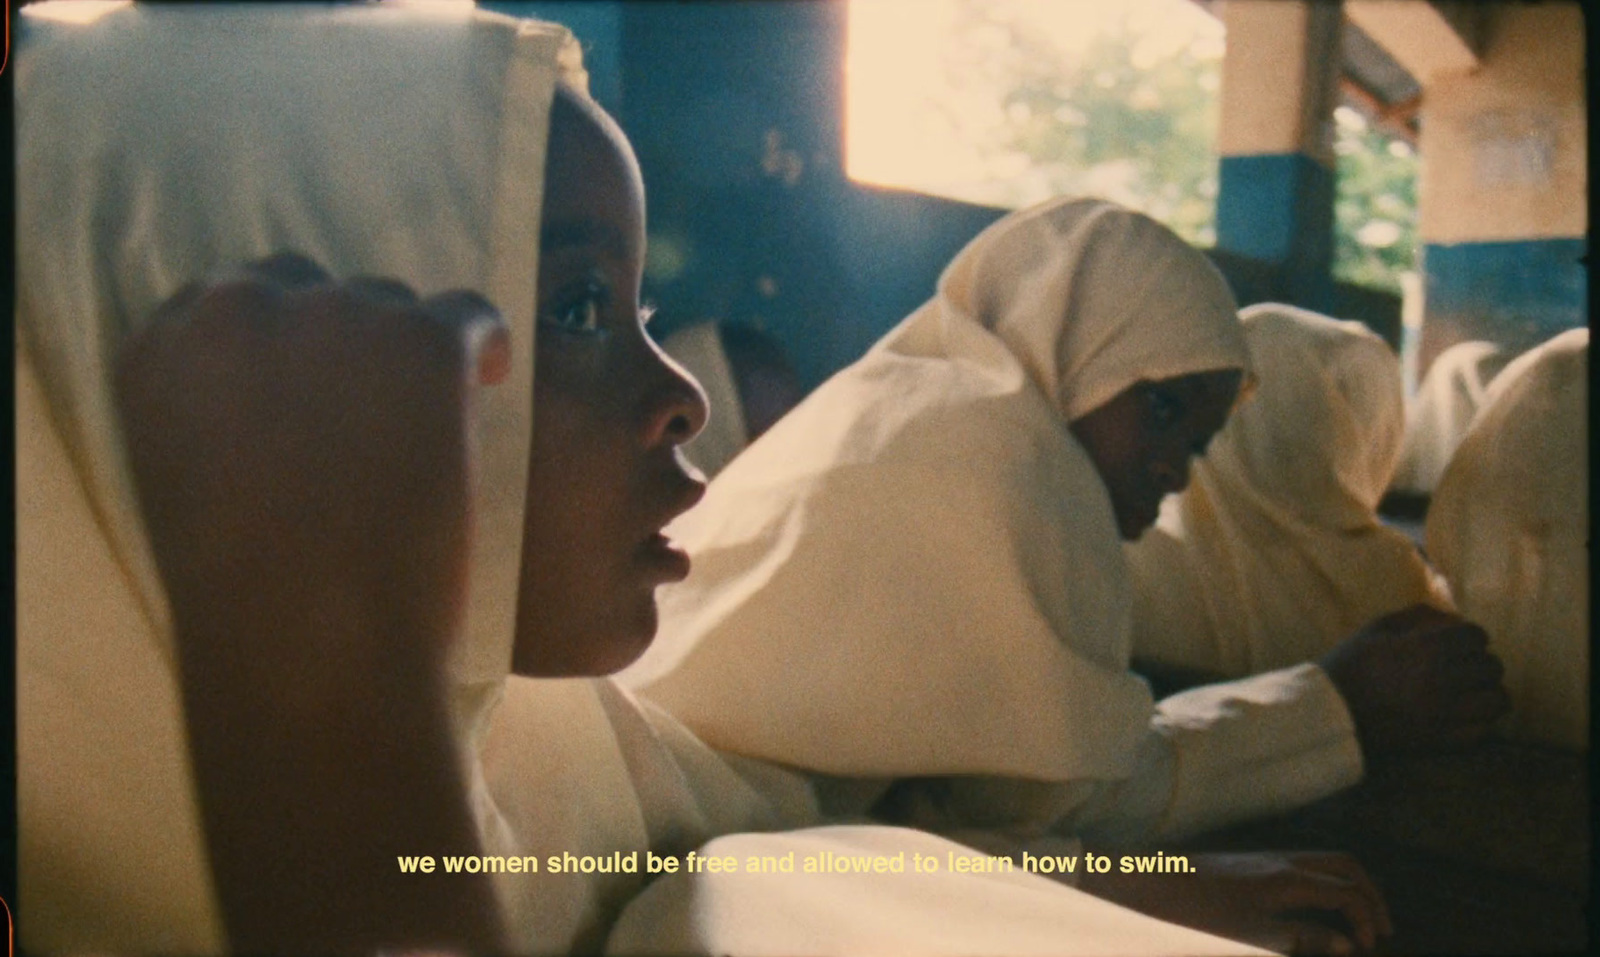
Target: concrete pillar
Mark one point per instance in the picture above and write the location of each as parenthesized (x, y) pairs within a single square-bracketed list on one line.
[(1504, 185), (1276, 182)]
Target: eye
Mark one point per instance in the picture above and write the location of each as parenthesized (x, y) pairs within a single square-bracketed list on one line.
[(1163, 409), (580, 311)]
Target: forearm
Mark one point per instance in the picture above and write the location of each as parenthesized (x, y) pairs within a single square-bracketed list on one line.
[(315, 775)]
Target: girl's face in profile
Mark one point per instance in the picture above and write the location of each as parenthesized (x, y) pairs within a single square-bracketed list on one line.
[(1142, 440), (610, 411)]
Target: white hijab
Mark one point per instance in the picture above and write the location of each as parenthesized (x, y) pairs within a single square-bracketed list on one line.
[(1509, 527), (917, 570), (699, 350), (157, 145), (1439, 414), (1275, 552)]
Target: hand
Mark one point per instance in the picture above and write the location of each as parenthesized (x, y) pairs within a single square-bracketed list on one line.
[(1419, 679), (291, 437), (1269, 899), (302, 456)]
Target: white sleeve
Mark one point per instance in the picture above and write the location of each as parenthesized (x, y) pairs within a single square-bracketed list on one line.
[(1224, 753)]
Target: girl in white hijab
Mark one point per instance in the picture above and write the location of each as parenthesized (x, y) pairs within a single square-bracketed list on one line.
[(1509, 527), (916, 576), (157, 145), (918, 571), (1439, 414), (1274, 553), (380, 141)]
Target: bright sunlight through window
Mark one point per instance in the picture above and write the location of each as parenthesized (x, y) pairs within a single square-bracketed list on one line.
[(1009, 102)]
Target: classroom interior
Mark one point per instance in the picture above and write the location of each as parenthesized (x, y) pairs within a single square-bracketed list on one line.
[(753, 126), (742, 115)]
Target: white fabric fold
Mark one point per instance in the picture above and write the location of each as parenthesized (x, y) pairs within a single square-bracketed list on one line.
[(1253, 747), (580, 767), (1275, 553), (1509, 527), (1440, 413)]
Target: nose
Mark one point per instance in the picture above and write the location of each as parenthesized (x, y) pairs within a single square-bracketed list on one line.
[(676, 409)]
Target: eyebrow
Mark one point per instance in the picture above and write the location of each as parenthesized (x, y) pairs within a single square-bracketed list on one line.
[(559, 236)]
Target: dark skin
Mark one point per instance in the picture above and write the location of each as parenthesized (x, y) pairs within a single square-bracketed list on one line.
[(1144, 438), (311, 522), (1419, 679), (610, 412)]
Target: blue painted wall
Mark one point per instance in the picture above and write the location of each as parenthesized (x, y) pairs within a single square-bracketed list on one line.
[(734, 110), (1515, 293), (1278, 209)]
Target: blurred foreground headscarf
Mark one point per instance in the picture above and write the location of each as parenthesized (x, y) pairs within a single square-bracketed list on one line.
[(1509, 527), (917, 571), (1275, 552), (162, 144)]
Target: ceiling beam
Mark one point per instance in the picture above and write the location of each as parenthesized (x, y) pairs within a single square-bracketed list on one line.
[(1427, 38)]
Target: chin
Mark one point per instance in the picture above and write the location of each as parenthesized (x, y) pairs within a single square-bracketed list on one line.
[(602, 649), (620, 654)]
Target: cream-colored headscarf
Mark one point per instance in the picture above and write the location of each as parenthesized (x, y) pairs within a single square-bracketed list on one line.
[(698, 349), (1509, 527), (1439, 414), (917, 570), (1275, 552), (158, 145)]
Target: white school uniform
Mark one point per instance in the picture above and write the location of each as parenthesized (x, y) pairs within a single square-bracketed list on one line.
[(917, 572), (1275, 553)]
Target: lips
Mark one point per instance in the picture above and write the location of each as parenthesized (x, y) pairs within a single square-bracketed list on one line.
[(664, 561)]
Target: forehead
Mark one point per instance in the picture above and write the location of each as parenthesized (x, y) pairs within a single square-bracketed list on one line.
[(1217, 386), (594, 195)]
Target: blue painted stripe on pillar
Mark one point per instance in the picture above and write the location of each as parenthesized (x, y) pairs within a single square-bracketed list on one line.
[(1275, 207), (1534, 287)]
